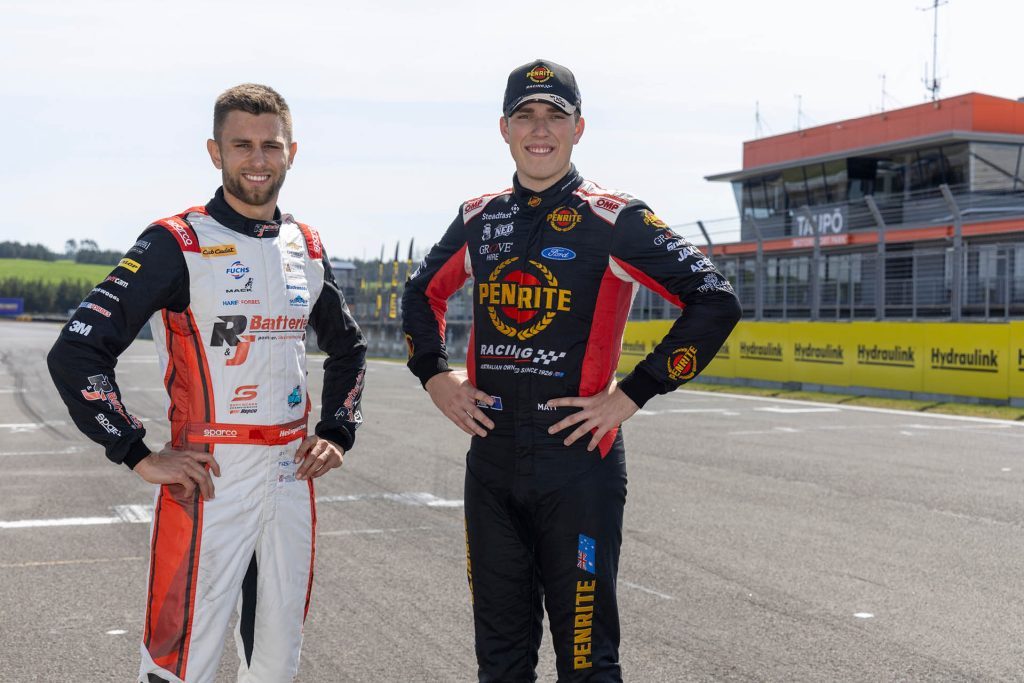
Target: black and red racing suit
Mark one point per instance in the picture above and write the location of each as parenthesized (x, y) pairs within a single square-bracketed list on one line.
[(554, 276)]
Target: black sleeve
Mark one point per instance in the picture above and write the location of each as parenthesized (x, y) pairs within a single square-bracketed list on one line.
[(425, 301), (338, 335), (150, 277), (650, 253)]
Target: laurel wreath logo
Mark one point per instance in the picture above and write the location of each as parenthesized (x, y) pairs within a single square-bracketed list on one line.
[(537, 327)]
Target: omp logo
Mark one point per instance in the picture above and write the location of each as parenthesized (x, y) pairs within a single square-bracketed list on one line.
[(224, 433), (682, 363), (652, 220), (515, 298), (473, 205), (215, 250), (564, 218), (80, 327), (608, 204), (539, 74)]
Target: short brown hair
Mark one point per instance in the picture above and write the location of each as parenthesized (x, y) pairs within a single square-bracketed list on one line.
[(254, 99)]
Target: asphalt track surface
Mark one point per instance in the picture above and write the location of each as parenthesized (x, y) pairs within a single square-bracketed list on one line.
[(764, 540)]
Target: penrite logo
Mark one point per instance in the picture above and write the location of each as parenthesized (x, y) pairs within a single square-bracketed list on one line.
[(519, 297), (653, 221), (682, 363), (564, 218), (215, 250), (539, 74), (533, 202)]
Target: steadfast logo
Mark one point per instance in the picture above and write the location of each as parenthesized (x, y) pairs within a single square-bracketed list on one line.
[(977, 360)]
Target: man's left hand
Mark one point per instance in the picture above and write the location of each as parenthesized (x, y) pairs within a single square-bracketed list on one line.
[(318, 457), (601, 413)]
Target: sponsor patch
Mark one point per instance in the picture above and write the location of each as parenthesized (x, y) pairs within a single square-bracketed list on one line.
[(558, 254), (682, 363), (494, 406), (237, 270), (107, 425), (139, 247), (585, 554), (522, 301), (298, 300), (215, 250), (117, 281), (130, 264), (79, 327), (548, 357), (94, 307), (295, 398), (564, 218), (533, 202), (105, 293), (653, 221), (539, 74)]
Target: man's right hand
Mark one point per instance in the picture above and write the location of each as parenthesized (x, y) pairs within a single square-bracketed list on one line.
[(182, 467), (456, 397)]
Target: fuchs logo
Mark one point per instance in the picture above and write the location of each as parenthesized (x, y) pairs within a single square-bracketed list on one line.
[(558, 254), (653, 221), (533, 202), (682, 363), (564, 218), (295, 398), (519, 297), (237, 270), (539, 74)]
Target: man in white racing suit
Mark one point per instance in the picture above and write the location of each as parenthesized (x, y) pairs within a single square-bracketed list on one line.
[(229, 289)]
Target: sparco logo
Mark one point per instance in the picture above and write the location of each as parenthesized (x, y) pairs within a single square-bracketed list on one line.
[(228, 433), (518, 303), (176, 224), (564, 218)]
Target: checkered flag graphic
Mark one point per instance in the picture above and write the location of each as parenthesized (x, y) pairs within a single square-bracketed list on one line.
[(548, 357)]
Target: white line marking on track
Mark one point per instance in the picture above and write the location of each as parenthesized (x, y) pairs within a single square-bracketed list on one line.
[(143, 514), (864, 615), (117, 632), (67, 451), (354, 532), (720, 411), (644, 589), (57, 563), (795, 411)]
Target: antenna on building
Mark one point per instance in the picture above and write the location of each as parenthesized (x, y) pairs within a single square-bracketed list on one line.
[(758, 128), (934, 84), (883, 91), (799, 110)]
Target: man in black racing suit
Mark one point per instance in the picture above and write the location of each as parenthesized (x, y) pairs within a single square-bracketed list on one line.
[(555, 262)]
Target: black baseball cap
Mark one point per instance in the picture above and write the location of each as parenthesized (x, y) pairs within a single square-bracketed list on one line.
[(542, 81)]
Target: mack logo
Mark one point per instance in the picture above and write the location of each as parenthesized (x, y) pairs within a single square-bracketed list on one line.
[(558, 254), (237, 270), (564, 218), (518, 303)]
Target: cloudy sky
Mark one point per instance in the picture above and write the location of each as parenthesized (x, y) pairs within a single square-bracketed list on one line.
[(107, 103)]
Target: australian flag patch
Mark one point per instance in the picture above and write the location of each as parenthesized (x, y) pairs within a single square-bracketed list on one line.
[(585, 554)]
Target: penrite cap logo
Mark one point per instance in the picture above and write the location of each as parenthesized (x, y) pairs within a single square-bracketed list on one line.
[(539, 73), (682, 363), (219, 250), (533, 202), (564, 218), (519, 303), (653, 221)]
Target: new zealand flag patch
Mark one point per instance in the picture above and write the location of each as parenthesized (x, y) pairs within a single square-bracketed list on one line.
[(585, 554)]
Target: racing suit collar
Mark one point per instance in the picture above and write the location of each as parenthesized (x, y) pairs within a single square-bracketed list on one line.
[(222, 212), (550, 197)]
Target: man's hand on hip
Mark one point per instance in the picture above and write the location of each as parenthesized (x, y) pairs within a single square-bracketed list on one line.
[(182, 467), (601, 413), (456, 397), (318, 457)]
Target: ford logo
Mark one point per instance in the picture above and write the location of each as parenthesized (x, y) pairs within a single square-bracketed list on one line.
[(558, 254)]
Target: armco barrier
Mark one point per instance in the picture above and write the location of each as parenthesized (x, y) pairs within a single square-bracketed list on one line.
[(982, 360)]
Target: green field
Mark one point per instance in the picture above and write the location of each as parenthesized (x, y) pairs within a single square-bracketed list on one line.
[(52, 271)]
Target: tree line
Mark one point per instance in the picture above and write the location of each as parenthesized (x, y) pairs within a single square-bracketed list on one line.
[(46, 297), (86, 251)]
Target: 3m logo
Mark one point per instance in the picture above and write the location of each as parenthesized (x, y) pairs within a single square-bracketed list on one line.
[(539, 74), (518, 297), (80, 327)]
